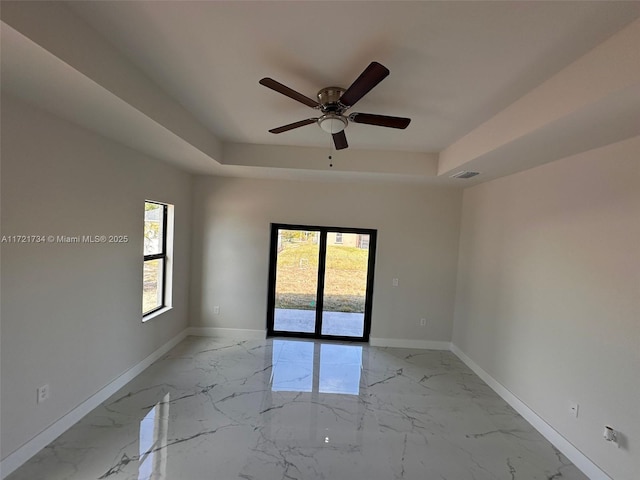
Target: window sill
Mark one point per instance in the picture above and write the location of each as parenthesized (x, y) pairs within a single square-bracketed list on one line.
[(146, 318)]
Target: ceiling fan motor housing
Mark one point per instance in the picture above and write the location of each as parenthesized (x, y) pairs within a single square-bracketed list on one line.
[(329, 99)]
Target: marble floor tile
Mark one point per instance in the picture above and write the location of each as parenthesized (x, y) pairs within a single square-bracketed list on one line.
[(299, 409)]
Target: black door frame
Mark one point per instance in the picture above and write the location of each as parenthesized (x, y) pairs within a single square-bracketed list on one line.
[(271, 299)]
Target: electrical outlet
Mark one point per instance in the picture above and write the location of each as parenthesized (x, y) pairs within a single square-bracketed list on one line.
[(573, 409), (423, 322), (43, 393), (216, 310), (610, 435), (394, 282)]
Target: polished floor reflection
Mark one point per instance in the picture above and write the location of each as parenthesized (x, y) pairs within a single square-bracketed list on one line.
[(152, 456), (292, 409), (306, 366)]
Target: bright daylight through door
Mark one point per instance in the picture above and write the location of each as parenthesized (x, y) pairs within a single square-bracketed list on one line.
[(297, 280), (345, 284), (322, 279)]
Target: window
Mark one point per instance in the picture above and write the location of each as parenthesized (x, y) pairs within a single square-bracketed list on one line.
[(155, 271)]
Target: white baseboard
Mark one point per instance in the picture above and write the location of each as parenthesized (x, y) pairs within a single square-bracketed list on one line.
[(44, 438), (580, 460), (234, 333), (408, 343)]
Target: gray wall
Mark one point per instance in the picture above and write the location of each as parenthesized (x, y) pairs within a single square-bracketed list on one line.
[(548, 297), (418, 231), (71, 313)]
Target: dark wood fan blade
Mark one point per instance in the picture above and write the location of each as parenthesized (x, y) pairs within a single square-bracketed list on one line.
[(284, 90), (291, 126), (340, 140), (368, 79), (380, 120)]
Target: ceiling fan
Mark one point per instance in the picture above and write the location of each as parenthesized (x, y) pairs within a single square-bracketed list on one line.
[(334, 102)]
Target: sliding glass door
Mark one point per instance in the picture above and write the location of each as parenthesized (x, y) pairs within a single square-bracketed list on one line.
[(321, 282)]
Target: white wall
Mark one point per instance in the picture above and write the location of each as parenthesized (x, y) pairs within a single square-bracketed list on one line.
[(417, 227), (548, 295), (71, 313)]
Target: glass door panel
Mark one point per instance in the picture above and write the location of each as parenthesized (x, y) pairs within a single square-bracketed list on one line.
[(296, 283), (345, 284)]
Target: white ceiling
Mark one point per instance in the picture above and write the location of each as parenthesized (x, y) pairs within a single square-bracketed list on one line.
[(454, 65)]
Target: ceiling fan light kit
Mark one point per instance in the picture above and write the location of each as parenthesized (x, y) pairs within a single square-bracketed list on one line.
[(332, 123), (333, 102)]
